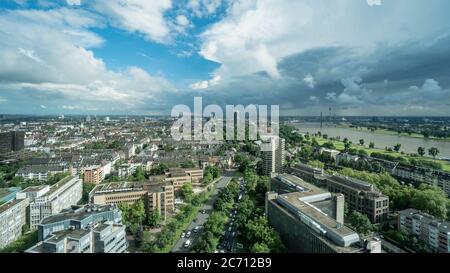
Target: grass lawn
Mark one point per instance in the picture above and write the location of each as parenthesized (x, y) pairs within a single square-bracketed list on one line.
[(340, 146), (392, 133)]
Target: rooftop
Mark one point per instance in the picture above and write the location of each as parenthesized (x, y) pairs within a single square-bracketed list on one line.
[(60, 184), (78, 213), (9, 205)]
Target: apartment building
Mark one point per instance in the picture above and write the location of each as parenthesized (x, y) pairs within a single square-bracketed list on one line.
[(40, 172), (272, 154), (433, 231), (60, 196), (88, 229), (93, 175), (12, 220)]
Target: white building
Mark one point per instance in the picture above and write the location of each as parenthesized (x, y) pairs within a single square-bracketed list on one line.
[(273, 154), (12, 219), (62, 195)]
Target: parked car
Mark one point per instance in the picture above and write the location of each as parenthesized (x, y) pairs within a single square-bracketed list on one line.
[(183, 235), (196, 229), (188, 234), (203, 211)]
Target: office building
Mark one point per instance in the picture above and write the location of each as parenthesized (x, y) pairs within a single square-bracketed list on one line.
[(88, 229), (158, 195), (12, 219), (306, 222), (12, 141), (361, 196), (272, 154), (60, 196), (179, 176), (33, 192), (433, 231)]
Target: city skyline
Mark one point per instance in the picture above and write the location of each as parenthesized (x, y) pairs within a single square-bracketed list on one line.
[(362, 58)]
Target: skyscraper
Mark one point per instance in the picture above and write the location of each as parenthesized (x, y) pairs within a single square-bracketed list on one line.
[(272, 153), (12, 141)]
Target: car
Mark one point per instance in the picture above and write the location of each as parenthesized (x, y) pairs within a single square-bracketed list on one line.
[(187, 243), (196, 229), (222, 251), (229, 229), (203, 211), (233, 234), (188, 234), (231, 214), (183, 235)]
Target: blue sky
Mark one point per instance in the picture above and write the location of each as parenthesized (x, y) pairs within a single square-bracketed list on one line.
[(361, 57)]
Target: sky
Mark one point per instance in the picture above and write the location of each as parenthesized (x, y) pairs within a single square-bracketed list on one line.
[(359, 57)]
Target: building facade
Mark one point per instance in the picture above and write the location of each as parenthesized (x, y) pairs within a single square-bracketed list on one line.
[(88, 229), (12, 219), (157, 195), (360, 196), (60, 196), (93, 175), (433, 231), (272, 154)]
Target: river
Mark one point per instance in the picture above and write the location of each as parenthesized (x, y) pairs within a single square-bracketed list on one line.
[(409, 144)]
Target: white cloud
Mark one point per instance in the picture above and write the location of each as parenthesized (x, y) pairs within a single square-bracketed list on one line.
[(203, 8), (255, 35), (3, 99), (206, 84), (374, 2), (140, 16), (74, 2), (43, 106), (310, 81), (60, 63)]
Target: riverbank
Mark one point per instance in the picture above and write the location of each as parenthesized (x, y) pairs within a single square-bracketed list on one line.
[(339, 145), (391, 133)]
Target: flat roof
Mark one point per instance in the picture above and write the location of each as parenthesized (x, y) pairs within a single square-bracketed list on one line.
[(59, 184), (9, 205), (78, 214), (34, 188), (306, 188), (294, 200)]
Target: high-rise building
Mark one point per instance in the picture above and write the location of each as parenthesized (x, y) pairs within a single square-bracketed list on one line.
[(272, 153), (5, 142), (12, 141), (93, 175), (60, 196), (18, 140), (88, 229), (12, 219)]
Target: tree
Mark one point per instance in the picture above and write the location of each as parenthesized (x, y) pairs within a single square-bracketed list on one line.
[(306, 153), (187, 192), (87, 188), (371, 145), (397, 147), (260, 248), (363, 152), (347, 146), (361, 142), (154, 218), (187, 164), (421, 151), (216, 223), (360, 222), (433, 152), (206, 244)]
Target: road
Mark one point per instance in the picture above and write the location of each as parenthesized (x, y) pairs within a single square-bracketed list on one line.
[(391, 247), (201, 218)]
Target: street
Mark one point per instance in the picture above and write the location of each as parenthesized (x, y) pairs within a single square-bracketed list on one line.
[(201, 218)]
